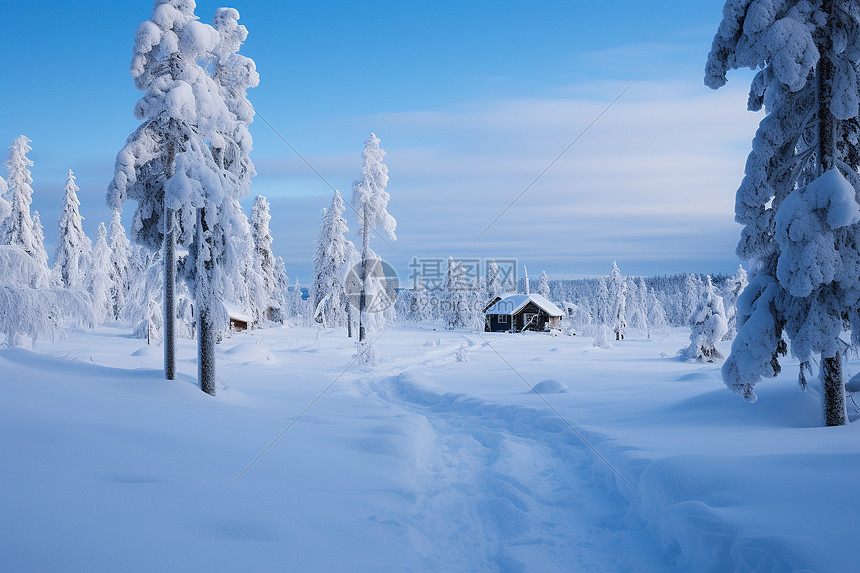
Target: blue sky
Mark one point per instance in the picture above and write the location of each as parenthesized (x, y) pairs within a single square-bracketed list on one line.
[(471, 101)]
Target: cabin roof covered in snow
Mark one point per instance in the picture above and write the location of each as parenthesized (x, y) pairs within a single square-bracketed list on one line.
[(235, 312), (513, 303)]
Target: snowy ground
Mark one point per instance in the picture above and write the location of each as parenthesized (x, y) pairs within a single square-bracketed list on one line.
[(423, 463)]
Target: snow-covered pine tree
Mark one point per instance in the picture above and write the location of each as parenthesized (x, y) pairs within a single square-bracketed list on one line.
[(282, 286), (166, 163), (99, 277), (264, 259), (798, 199), (18, 229), (230, 249), (29, 309), (457, 299), (225, 241), (689, 297), (370, 200), (637, 307), (601, 336), (543, 285), (617, 289), (708, 326), (330, 258), (190, 155), (602, 304), (419, 306), (142, 309), (39, 232), (121, 267), (353, 258), (656, 314), (296, 303), (234, 74), (494, 283), (578, 319), (731, 291), (73, 254)]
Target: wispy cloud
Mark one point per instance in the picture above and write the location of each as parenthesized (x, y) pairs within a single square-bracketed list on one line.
[(652, 184)]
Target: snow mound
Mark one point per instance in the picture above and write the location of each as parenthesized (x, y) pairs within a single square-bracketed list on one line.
[(693, 376), (148, 351), (250, 353), (550, 387)]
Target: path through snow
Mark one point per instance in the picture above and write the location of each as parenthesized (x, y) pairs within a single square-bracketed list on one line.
[(510, 488)]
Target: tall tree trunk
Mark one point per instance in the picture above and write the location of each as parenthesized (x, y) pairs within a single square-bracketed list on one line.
[(832, 375), (170, 252), (169, 295), (348, 319), (833, 390), (362, 299), (204, 298)]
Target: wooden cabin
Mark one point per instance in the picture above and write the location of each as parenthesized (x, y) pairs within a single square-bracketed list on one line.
[(520, 312), (239, 321)]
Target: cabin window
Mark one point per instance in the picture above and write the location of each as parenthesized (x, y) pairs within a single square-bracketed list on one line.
[(503, 319)]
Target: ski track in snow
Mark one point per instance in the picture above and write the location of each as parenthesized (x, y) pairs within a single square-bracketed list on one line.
[(521, 474)]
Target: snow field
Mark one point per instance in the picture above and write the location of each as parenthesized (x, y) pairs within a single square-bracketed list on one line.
[(424, 463)]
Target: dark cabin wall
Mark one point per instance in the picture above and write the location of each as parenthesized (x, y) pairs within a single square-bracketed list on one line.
[(494, 325)]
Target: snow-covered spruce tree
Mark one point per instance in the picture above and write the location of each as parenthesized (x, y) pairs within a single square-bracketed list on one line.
[(73, 254), (223, 239), (578, 319), (730, 292), (617, 287), (282, 286), (689, 297), (457, 297), (166, 162), (189, 155), (330, 258), (656, 313), (39, 233), (121, 267), (18, 229), (264, 259), (637, 306), (798, 199), (144, 303), (142, 309), (419, 304), (543, 285), (601, 336), (99, 278), (353, 258), (494, 282), (708, 326), (231, 271), (602, 303), (370, 200), (297, 305), (29, 309)]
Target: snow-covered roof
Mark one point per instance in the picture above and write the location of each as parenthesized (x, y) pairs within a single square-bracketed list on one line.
[(235, 312), (513, 303)]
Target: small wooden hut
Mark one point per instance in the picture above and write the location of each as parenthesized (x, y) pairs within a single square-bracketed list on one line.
[(239, 321), (519, 312)]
